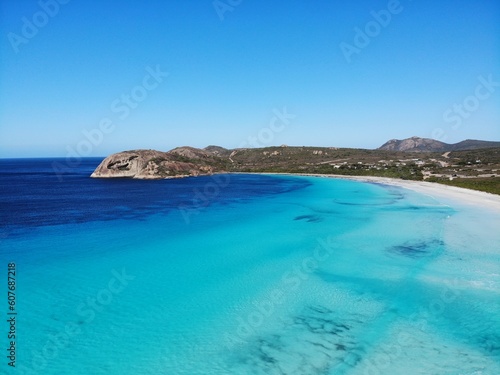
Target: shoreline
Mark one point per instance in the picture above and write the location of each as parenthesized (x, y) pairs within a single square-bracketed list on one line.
[(439, 192)]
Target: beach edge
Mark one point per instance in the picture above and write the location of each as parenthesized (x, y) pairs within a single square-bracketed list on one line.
[(440, 192)]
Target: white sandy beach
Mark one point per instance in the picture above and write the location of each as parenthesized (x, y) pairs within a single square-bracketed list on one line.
[(438, 191)]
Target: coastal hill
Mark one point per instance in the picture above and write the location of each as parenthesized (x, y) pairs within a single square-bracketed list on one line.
[(152, 164), (415, 159), (417, 144)]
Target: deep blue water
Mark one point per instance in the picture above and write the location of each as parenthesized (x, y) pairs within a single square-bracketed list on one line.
[(35, 194)]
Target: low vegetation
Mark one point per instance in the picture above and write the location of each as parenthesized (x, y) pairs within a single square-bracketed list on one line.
[(489, 185)]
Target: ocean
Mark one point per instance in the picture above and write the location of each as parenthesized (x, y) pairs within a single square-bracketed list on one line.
[(242, 274)]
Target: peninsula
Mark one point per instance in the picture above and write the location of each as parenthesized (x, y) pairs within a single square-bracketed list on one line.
[(471, 164)]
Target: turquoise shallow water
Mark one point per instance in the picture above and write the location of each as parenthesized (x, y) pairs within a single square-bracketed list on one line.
[(334, 277)]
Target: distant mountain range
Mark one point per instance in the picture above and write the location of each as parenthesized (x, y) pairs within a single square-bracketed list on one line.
[(417, 144)]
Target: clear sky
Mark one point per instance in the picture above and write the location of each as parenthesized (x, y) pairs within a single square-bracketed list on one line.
[(96, 77)]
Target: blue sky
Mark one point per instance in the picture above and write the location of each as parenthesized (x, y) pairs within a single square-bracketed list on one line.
[(68, 66)]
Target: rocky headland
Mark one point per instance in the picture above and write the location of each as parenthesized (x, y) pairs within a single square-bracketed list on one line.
[(152, 164)]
